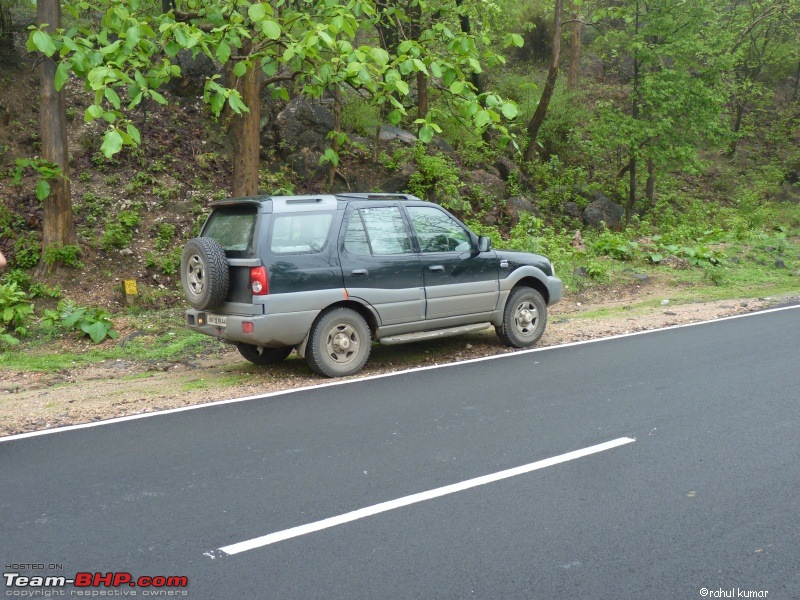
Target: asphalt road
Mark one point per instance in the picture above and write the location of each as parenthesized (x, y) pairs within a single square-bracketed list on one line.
[(706, 497)]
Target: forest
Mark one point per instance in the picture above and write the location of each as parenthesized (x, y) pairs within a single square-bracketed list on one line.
[(655, 138)]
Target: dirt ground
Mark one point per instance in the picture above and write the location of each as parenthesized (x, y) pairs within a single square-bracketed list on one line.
[(35, 401)]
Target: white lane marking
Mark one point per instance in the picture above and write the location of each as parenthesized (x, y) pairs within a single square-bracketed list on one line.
[(20, 436), (279, 536)]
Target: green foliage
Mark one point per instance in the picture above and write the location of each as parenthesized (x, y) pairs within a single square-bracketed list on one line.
[(46, 171), (360, 116), (119, 230), (27, 251), (165, 236), (93, 322), (168, 262), (15, 311), (437, 179), (615, 245), (69, 256)]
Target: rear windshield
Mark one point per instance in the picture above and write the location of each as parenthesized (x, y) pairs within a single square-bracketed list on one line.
[(301, 232), (232, 227)]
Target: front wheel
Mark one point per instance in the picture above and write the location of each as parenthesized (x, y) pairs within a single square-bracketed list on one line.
[(524, 318), (261, 356), (338, 343)]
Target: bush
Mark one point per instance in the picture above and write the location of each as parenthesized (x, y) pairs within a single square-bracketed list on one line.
[(119, 231), (15, 312), (94, 322)]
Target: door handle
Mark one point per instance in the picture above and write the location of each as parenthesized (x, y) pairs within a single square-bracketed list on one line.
[(436, 268), (359, 272)]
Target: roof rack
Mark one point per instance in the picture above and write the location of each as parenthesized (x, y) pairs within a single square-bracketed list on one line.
[(378, 196)]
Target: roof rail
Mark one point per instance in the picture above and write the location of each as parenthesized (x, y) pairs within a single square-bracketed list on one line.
[(377, 196)]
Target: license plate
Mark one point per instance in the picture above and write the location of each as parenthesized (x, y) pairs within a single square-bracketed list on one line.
[(216, 320)]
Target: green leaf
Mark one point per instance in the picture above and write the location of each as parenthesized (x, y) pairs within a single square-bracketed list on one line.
[(256, 12), (457, 87), (97, 330), (43, 42), (112, 143), (240, 69), (426, 133), (509, 110), (92, 113), (42, 190), (271, 29), (379, 56), (223, 52), (112, 97), (62, 73), (134, 133), (329, 156), (402, 87), (157, 97)]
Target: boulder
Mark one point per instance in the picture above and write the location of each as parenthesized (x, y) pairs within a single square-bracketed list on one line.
[(194, 72), (303, 124), (520, 204), (603, 211), (573, 210), (486, 184), (389, 133)]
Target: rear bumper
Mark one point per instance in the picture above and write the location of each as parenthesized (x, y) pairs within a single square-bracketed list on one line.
[(284, 329)]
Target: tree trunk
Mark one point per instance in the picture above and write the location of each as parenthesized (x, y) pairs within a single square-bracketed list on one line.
[(6, 30), (737, 126), (422, 95), (631, 193), (58, 225), (337, 128), (574, 49), (650, 190), (541, 111), (245, 130), (796, 83)]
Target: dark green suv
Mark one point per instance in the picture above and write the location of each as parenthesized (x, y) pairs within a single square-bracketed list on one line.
[(326, 275)]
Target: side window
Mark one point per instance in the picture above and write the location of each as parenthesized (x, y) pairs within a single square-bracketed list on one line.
[(437, 231), (378, 231), (303, 232)]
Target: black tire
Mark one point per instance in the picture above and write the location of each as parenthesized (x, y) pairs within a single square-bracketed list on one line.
[(524, 318), (204, 273), (267, 356), (339, 343)]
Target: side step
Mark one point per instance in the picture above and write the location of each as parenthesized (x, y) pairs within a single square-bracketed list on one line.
[(432, 335)]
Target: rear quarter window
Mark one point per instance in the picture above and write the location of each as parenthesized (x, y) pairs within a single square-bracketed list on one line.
[(300, 233), (233, 228)]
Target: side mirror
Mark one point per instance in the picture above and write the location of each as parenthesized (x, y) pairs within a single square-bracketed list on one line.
[(484, 244)]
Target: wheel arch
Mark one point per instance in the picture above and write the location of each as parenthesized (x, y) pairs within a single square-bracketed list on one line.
[(537, 284)]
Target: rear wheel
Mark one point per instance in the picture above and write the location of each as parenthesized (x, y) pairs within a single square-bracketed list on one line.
[(261, 356), (524, 318), (204, 273), (338, 343)]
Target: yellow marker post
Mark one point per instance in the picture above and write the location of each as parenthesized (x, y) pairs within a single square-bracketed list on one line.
[(130, 290)]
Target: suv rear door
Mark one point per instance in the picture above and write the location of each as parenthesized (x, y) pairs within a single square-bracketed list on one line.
[(379, 264)]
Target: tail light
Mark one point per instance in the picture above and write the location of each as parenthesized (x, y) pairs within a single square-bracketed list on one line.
[(258, 281)]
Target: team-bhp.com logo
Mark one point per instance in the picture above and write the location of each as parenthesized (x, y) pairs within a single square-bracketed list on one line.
[(95, 580)]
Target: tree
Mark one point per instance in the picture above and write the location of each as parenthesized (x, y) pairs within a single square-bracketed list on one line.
[(58, 226), (675, 94), (552, 75)]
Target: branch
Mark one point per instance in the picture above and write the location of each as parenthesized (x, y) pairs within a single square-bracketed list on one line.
[(752, 26)]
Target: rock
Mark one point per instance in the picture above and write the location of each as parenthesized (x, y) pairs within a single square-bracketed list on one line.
[(440, 144), (126, 252), (398, 182), (194, 72), (520, 204), (577, 241), (641, 277), (573, 210), (580, 272), (603, 212), (488, 184), (664, 302), (744, 303), (389, 133), (675, 262), (303, 124), (505, 166), (779, 264)]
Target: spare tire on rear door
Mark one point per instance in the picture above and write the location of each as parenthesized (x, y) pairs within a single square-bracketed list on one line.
[(204, 273)]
